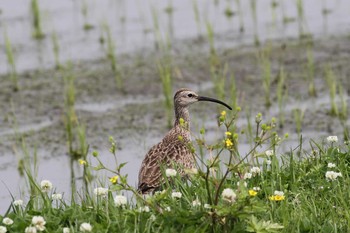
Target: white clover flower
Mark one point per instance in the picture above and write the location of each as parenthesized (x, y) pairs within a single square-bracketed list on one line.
[(256, 188), (45, 185), (255, 170), (167, 208), (269, 153), (228, 195), (332, 139), (3, 229), (85, 227), (207, 206), (331, 175), (278, 193), (56, 196), (120, 200), (247, 176), (66, 230), (17, 202), (144, 209), (101, 191), (30, 230), (196, 203), (170, 172), (39, 223), (176, 195), (331, 165), (7, 221), (152, 217), (244, 184)]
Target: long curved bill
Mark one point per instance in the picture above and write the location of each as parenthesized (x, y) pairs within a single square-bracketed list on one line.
[(203, 98)]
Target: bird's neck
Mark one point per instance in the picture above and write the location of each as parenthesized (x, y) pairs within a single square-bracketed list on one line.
[(182, 118)]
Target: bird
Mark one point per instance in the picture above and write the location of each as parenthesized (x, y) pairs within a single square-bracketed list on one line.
[(173, 149)]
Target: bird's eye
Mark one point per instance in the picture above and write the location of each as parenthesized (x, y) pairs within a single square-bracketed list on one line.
[(190, 95)]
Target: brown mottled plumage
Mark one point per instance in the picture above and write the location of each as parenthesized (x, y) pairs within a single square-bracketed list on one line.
[(172, 149)]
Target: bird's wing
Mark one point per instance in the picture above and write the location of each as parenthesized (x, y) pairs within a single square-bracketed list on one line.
[(150, 175)]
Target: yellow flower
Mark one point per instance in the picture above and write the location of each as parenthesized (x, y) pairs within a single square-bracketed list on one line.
[(277, 198), (228, 133), (228, 142), (252, 192), (82, 162), (114, 179), (223, 113)]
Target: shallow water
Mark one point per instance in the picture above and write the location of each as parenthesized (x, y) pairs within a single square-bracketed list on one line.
[(134, 33), (132, 25)]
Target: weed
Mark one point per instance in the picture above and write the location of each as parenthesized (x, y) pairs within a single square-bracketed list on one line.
[(38, 33), (11, 62)]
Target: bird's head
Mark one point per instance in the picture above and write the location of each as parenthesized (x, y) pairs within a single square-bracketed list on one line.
[(184, 97)]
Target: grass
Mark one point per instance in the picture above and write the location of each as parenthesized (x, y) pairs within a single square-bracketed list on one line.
[(275, 193), (38, 32), (265, 65), (332, 87), (56, 50), (11, 62)]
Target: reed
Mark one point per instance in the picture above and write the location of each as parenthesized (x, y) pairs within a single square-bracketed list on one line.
[(85, 11), (311, 72), (240, 15), (38, 32), (332, 87), (265, 66), (56, 50), (11, 62), (298, 119), (111, 56), (255, 21), (282, 94)]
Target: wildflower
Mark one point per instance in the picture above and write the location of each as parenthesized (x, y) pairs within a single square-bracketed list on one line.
[(17, 202), (223, 113), (144, 209), (228, 143), (331, 175), (7, 221), (255, 170), (256, 189), (252, 192), (152, 217), (85, 227), (278, 196), (176, 195), (258, 118), (331, 165), (120, 200), (228, 134), (269, 153), (228, 195), (82, 162), (244, 184), (56, 196), (332, 139), (207, 206), (100, 191), (247, 176), (39, 223), (30, 230), (191, 171), (66, 230), (45, 185), (196, 203), (3, 229), (114, 179), (170, 172)]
